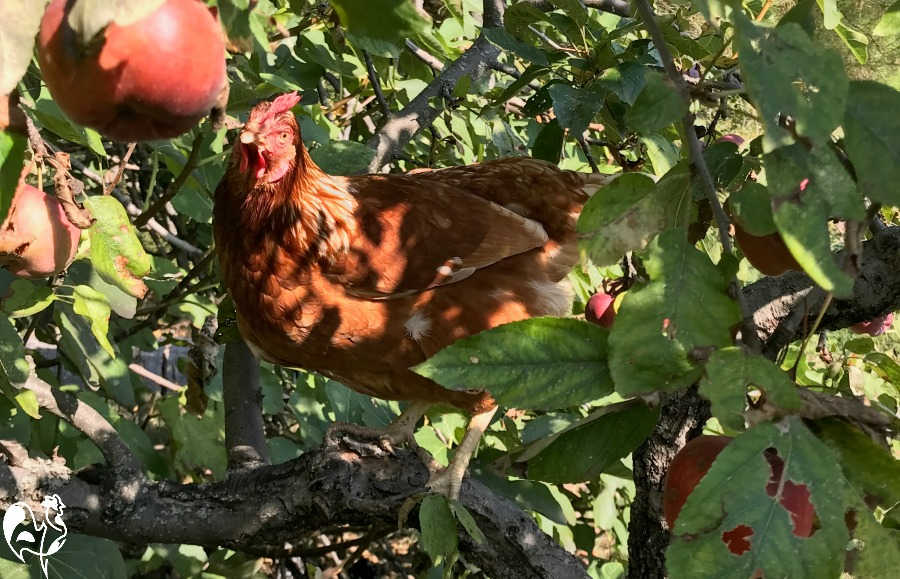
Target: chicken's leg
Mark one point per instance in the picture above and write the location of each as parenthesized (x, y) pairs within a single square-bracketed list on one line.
[(449, 480), (398, 432)]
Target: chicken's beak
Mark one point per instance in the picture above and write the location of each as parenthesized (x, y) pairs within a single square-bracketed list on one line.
[(248, 137)]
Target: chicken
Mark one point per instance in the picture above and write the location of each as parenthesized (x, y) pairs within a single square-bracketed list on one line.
[(359, 278)]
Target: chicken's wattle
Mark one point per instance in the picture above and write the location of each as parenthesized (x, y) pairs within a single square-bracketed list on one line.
[(251, 155)]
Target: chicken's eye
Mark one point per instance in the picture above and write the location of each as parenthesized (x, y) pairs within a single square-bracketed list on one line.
[(284, 136)]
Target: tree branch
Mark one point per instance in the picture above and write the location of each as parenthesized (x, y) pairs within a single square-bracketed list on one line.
[(419, 113), (267, 511), (245, 436)]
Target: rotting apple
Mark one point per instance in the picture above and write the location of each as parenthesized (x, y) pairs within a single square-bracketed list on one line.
[(36, 239), (874, 327), (767, 253), (600, 310), (153, 79)]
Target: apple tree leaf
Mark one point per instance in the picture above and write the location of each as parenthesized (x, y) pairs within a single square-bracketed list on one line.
[(872, 139), (12, 157), (685, 306), (751, 207), (116, 252), (730, 371), (438, 528), (540, 363), (93, 305), (21, 20), (889, 25), (13, 366), (26, 298), (786, 73), (583, 452), (89, 17), (575, 107), (383, 30), (772, 504), (657, 106), (626, 214)]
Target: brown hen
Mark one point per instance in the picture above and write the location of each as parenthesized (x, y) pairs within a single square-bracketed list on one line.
[(360, 278)]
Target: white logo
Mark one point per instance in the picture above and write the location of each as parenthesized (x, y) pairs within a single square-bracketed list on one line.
[(25, 534)]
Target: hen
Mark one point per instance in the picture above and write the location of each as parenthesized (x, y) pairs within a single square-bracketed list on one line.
[(360, 278)]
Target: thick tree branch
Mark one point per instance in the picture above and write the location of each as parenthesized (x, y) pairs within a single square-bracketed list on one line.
[(784, 306), (419, 113), (245, 436), (268, 510)]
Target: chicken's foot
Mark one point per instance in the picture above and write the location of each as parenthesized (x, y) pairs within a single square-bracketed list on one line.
[(449, 480), (397, 433)]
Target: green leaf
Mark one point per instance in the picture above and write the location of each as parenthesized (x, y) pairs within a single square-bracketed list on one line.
[(52, 118), (574, 107), (88, 18), (507, 41), (21, 20), (13, 366), (729, 374), (856, 42), (889, 25), (868, 467), (685, 306), (116, 251), (626, 214), (786, 73), (343, 157), (716, 11), (657, 106), (872, 139), (438, 528), (832, 16), (84, 556), (751, 207), (736, 506), (540, 363), (26, 298), (198, 442), (27, 401), (468, 522), (574, 8), (626, 81), (94, 306), (12, 157), (381, 31), (582, 453), (548, 144)]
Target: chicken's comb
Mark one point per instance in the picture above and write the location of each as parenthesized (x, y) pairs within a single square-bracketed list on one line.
[(283, 104)]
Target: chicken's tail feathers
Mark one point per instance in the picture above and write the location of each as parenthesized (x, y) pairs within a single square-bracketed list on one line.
[(593, 182)]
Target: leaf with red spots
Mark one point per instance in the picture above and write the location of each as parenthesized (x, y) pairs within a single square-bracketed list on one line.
[(771, 505)]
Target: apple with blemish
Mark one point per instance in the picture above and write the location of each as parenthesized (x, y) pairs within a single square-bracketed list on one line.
[(37, 239), (153, 79)]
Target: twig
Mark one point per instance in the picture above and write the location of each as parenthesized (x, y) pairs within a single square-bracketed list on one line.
[(619, 7), (84, 418), (376, 85), (181, 244), (587, 153), (419, 113), (176, 185), (155, 378), (425, 56), (120, 170), (748, 333)]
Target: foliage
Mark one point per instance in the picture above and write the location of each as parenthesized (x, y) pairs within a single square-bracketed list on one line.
[(812, 88)]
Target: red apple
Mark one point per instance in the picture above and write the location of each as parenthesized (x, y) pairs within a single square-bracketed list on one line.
[(731, 138), (36, 239), (600, 310), (153, 79), (767, 253), (686, 470), (874, 327)]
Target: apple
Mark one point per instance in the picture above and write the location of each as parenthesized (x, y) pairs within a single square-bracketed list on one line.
[(153, 79), (731, 138), (599, 310), (686, 470), (694, 460), (767, 253), (36, 239), (874, 327)]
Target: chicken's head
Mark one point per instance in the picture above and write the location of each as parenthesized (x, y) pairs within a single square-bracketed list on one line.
[(268, 143)]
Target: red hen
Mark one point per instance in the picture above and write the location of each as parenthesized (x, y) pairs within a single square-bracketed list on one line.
[(360, 278)]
